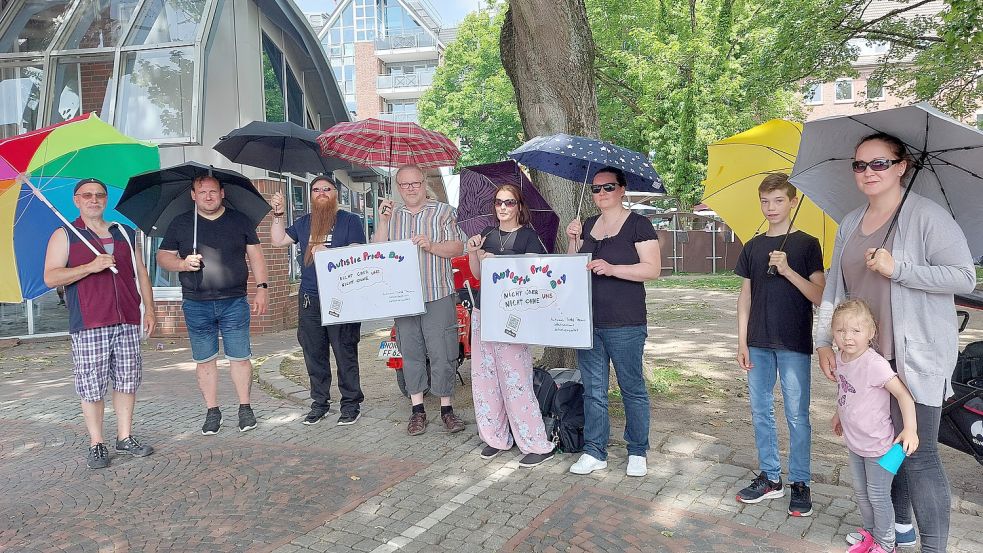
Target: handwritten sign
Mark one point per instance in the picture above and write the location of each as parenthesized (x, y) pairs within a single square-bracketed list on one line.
[(543, 300), (365, 282)]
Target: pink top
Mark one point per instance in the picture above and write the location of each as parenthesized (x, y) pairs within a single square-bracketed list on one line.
[(864, 403)]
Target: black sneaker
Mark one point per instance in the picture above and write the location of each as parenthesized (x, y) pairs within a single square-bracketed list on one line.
[(247, 420), (489, 452), (760, 489), (213, 422), (801, 502), (533, 459), (98, 457), (317, 413), (348, 418), (131, 446)]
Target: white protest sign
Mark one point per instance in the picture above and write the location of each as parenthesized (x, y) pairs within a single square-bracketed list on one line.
[(537, 299), (370, 281)]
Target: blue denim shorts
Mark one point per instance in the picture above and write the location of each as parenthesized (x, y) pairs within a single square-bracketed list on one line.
[(206, 319)]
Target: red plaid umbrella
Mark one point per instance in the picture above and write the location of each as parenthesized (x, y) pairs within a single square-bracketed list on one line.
[(377, 143)]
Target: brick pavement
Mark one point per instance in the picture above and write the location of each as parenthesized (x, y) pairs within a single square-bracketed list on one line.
[(285, 487)]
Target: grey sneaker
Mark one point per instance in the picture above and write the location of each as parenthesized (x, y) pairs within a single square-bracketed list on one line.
[(98, 457), (247, 420), (213, 422), (131, 446)]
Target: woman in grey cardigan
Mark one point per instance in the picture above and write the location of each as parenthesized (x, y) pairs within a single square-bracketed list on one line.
[(909, 283)]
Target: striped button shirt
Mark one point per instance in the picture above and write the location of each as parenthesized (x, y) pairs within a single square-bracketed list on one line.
[(438, 222)]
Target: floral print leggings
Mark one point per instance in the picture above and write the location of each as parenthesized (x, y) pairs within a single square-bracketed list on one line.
[(501, 382)]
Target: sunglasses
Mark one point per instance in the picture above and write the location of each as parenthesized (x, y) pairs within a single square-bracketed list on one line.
[(511, 202), (607, 187), (89, 195), (876, 165), (319, 190)]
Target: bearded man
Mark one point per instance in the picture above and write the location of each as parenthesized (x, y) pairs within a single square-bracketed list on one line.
[(324, 227)]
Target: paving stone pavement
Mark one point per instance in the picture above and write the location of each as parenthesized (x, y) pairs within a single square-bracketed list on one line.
[(286, 487)]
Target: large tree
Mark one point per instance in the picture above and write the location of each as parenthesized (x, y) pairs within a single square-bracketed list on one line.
[(548, 52)]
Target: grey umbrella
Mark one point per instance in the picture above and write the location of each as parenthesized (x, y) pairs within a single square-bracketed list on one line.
[(948, 155)]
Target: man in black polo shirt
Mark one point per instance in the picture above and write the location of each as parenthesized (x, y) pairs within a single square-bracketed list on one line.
[(213, 283)]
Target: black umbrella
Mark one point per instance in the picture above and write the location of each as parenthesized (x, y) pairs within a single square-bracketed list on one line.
[(282, 147), (153, 199)]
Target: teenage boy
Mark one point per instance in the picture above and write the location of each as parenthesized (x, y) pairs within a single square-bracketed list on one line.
[(774, 329)]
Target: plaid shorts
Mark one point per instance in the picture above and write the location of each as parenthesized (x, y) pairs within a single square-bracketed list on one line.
[(104, 354)]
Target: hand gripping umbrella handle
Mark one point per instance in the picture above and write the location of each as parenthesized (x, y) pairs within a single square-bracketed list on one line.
[(71, 227)]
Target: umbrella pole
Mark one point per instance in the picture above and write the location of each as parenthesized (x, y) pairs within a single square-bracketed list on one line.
[(772, 270), (583, 191), (70, 226), (907, 190), (194, 236)]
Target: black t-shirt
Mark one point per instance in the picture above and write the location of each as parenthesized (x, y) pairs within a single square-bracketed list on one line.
[(222, 245), (781, 317), (618, 302), (522, 241)]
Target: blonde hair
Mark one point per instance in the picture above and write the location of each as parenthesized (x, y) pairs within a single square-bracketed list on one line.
[(858, 309)]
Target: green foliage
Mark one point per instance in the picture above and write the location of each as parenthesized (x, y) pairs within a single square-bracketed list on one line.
[(272, 92), (472, 98)]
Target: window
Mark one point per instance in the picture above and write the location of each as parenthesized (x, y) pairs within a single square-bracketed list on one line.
[(295, 99), (81, 86), (20, 97), (875, 90), (155, 93), (100, 23), (869, 48), (35, 26), (814, 94), (273, 81), (164, 21), (844, 90)]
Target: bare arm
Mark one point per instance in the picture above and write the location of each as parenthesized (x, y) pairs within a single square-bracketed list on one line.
[(170, 261), (743, 316), (56, 258), (257, 264), (381, 233), (811, 288), (278, 233)]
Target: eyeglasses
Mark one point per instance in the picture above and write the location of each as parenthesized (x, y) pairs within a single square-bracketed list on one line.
[(319, 190), (511, 202), (876, 165), (607, 187), (409, 185), (89, 195)]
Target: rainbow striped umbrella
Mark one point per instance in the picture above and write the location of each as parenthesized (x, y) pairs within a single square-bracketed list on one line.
[(55, 158)]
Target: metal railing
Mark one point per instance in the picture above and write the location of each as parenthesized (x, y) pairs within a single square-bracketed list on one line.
[(411, 80), (408, 40), (400, 117)]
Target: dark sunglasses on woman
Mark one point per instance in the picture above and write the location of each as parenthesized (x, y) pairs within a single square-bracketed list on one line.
[(596, 188), (509, 202), (876, 164)]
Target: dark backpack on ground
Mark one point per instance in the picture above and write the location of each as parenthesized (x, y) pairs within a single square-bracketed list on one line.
[(560, 393)]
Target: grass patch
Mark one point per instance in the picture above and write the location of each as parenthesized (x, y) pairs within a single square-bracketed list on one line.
[(691, 311), (723, 281), (294, 369), (979, 275)]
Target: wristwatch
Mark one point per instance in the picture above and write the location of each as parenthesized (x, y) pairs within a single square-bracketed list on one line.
[(263, 285)]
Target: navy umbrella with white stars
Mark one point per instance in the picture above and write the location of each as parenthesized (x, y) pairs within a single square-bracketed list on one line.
[(578, 158)]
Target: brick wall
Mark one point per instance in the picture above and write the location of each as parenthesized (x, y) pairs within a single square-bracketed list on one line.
[(95, 78), (282, 312), (367, 70)]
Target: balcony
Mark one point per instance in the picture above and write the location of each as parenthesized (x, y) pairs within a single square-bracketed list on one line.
[(406, 47), (400, 117), (403, 87)]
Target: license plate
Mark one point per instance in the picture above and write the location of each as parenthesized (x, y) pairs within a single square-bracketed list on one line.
[(389, 350)]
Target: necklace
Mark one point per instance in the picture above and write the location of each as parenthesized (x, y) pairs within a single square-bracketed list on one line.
[(503, 240), (607, 228)]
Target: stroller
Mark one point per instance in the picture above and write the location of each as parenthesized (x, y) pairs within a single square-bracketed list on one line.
[(962, 414)]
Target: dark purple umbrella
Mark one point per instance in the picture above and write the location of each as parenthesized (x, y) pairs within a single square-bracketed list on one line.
[(477, 193)]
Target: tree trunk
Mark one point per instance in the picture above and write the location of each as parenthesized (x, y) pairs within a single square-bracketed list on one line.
[(548, 53)]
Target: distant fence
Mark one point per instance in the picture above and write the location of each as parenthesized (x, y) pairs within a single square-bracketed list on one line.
[(698, 251)]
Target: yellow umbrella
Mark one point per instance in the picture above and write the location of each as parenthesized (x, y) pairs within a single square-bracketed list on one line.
[(735, 169)]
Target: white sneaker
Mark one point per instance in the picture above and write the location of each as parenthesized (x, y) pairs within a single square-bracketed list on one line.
[(637, 466), (588, 464)]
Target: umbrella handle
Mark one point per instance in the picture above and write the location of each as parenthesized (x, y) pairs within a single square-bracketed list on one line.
[(70, 226), (772, 269)]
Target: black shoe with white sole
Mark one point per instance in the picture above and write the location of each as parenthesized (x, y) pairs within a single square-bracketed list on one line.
[(247, 420), (317, 413), (213, 422), (349, 418), (760, 489)]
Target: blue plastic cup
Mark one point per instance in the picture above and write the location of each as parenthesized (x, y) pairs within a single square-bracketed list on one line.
[(892, 460)]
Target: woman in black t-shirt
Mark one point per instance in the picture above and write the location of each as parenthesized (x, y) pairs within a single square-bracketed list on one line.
[(625, 251), (501, 380)]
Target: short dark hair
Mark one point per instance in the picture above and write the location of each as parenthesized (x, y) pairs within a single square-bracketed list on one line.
[(199, 178), (84, 182), (619, 175), (777, 181)]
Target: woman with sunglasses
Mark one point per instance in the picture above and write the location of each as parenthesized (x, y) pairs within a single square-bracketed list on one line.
[(626, 253), (905, 258), (505, 406)]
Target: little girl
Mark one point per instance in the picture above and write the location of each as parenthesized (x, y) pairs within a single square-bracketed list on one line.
[(863, 418)]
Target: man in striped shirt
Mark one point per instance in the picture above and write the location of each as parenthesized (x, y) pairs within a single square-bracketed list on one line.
[(432, 226)]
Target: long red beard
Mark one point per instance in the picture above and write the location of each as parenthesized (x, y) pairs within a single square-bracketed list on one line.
[(324, 214)]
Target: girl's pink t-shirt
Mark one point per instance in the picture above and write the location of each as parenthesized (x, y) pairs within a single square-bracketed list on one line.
[(864, 403)]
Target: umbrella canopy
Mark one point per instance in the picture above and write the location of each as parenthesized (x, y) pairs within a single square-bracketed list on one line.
[(477, 193), (283, 147), (376, 143), (153, 199), (56, 158), (949, 155), (578, 158), (736, 167)]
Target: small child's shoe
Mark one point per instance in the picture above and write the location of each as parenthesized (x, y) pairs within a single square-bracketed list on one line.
[(860, 541), (876, 548)]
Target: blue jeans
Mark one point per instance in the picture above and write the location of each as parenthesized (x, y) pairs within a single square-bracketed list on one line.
[(622, 346), (205, 319), (793, 368)]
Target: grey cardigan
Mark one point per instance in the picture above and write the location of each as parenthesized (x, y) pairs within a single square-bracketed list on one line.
[(931, 263)]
